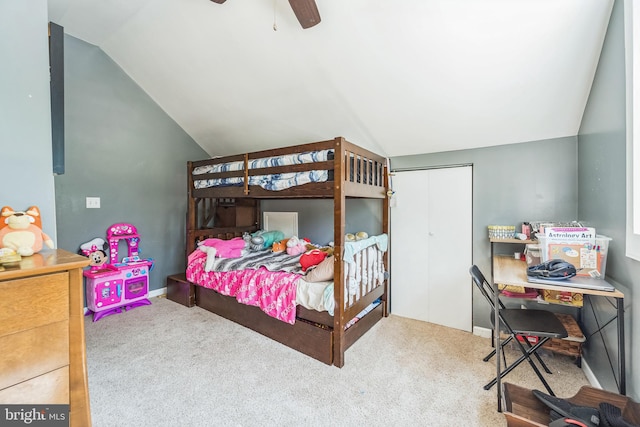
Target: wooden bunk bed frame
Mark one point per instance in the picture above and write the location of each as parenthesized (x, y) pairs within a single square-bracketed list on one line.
[(227, 212)]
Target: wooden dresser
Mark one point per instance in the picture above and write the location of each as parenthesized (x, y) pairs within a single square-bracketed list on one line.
[(43, 351)]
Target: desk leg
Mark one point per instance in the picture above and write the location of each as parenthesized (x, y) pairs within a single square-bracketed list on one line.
[(621, 347), (496, 334)]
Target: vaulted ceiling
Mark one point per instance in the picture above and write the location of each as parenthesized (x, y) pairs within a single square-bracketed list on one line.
[(399, 77)]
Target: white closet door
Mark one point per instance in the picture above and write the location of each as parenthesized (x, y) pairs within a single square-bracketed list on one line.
[(431, 245), (409, 245)]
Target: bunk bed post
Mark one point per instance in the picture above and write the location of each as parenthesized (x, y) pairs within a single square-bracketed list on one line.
[(338, 238), (246, 174), (385, 229), (191, 214)]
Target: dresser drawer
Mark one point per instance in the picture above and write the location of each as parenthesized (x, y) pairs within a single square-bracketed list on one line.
[(33, 352), (50, 388), (33, 302)]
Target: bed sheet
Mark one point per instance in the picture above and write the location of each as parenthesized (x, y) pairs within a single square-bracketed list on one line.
[(315, 295), (274, 292), (273, 282)]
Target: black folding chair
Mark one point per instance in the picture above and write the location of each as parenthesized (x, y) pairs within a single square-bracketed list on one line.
[(524, 322)]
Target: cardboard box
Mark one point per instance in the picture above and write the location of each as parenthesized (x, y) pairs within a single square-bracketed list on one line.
[(560, 297)]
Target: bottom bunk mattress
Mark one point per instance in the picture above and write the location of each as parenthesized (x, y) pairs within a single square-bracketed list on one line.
[(277, 283), (273, 282)]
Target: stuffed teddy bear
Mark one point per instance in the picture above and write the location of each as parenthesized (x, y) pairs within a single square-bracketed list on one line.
[(360, 235), (328, 250), (280, 246), (22, 231), (296, 246)]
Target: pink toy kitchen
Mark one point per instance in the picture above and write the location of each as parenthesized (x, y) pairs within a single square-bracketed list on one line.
[(120, 284)]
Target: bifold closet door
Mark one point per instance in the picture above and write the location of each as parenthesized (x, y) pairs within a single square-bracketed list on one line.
[(431, 244)]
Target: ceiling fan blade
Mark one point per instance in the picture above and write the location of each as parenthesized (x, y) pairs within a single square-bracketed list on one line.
[(306, 11), (219, 1)]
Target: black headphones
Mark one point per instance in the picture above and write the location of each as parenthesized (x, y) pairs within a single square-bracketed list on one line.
[(555, 269)]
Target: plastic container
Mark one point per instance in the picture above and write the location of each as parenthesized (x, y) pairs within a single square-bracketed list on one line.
[(532, 254), (602, 245), (544, 249), (589, 260)]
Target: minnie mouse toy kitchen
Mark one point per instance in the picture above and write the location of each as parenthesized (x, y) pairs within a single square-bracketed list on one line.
[(113, 286)]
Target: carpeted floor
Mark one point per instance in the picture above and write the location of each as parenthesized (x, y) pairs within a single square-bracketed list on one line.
[(169, 365)]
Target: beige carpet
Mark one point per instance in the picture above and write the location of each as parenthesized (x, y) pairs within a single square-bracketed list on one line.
[(169, 365)]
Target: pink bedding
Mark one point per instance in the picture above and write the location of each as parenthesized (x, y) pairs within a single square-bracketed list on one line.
[(273, 291)]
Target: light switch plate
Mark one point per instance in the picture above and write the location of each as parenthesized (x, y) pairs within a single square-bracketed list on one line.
[(93, 202)]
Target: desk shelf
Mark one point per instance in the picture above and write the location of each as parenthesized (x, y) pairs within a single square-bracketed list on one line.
[(510, 271), (523, 242)]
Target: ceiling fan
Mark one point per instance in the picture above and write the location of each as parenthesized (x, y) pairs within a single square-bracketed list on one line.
[(306, 11)]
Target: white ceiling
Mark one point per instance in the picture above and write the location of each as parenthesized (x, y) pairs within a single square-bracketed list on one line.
[(398, 77)]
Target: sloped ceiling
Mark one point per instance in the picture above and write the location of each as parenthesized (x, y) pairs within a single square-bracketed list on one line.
[(399, 77)]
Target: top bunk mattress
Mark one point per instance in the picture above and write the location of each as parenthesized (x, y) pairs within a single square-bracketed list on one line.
[(301, 171), (273, 182)]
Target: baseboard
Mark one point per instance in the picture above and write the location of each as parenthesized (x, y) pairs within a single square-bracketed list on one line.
[(158, 292), (482, 332), (590, 375)]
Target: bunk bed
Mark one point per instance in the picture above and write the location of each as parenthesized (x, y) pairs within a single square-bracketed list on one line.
[(224, 203)]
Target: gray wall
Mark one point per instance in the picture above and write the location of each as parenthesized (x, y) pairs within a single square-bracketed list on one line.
[(121, 147), (25, 112), (511, 184), (315, 219), (602, 202)]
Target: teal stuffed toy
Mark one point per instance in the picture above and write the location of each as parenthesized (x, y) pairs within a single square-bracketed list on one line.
[(264, 239)]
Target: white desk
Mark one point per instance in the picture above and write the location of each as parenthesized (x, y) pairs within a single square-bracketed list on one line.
[(510, 271)]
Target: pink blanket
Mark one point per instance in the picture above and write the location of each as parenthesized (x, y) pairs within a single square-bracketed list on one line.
[(273, 291)]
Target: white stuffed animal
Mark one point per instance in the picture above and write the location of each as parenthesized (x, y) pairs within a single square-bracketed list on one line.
[(296, 246)]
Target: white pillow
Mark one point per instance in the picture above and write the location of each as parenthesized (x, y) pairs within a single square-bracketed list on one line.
[(322, 272)]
